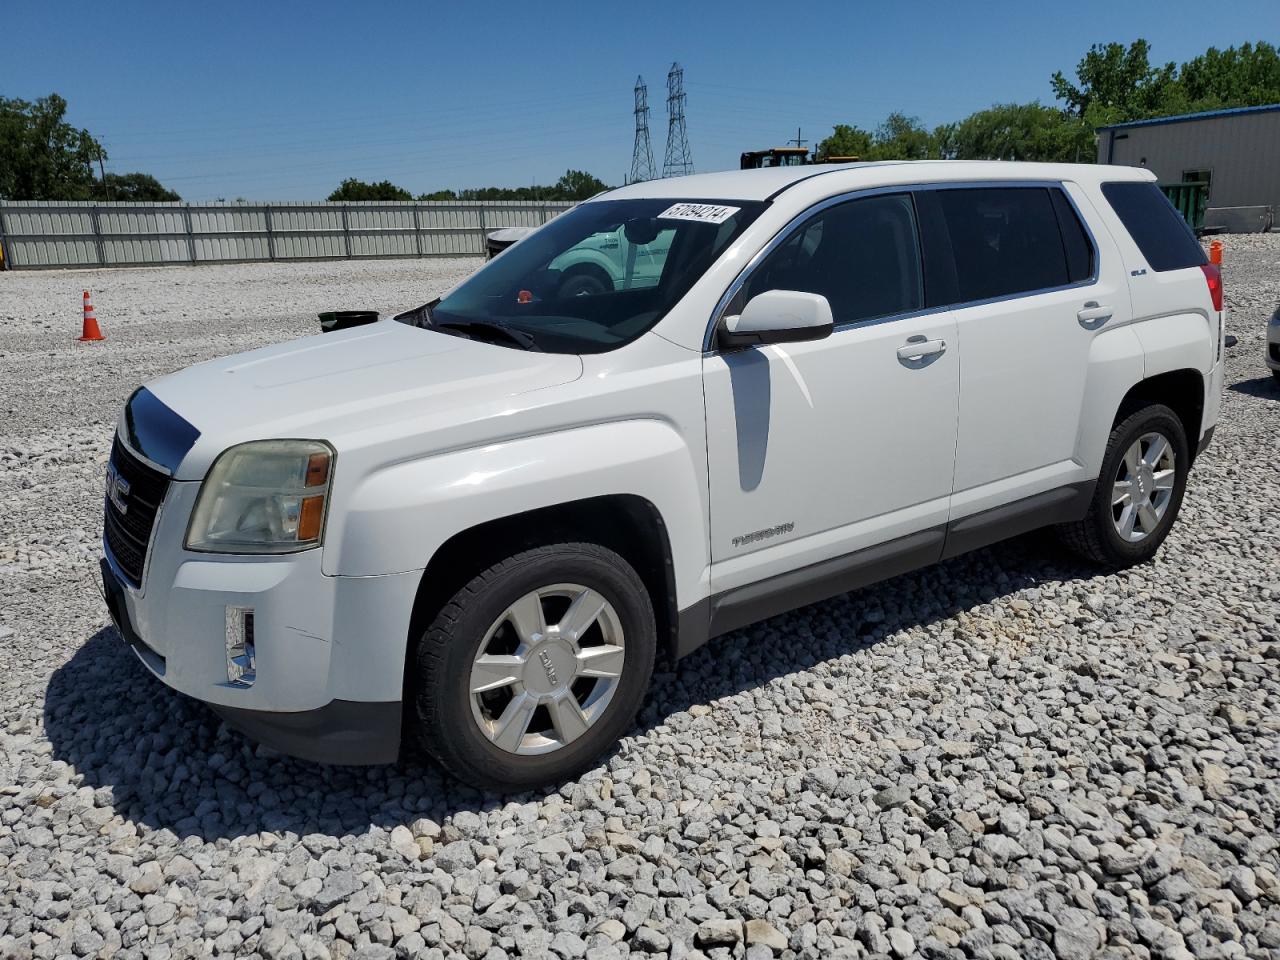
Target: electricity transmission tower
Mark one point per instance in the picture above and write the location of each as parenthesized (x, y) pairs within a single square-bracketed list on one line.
[(678, 161), (642, 153)]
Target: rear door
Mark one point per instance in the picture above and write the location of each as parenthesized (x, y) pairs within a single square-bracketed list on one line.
[(1033, 292)]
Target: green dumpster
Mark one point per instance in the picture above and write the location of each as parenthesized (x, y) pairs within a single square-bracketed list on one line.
[(1191, 198)]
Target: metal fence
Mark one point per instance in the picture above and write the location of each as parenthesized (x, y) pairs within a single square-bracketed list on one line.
[(38, 234)]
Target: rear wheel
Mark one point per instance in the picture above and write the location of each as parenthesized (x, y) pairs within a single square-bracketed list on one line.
[(1139, 492), (536, 667)]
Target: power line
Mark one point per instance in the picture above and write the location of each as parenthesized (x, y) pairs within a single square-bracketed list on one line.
[(679, 160), (642, 153)]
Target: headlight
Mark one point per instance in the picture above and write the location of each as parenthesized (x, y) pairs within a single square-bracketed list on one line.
[(266, 496)]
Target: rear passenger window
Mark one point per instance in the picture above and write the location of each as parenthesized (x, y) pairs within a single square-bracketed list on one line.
[(1157, 228), (1005, 241), (863, 256)]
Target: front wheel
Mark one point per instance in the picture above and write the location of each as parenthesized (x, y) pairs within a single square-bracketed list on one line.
[(535, 667), (1139, 491)]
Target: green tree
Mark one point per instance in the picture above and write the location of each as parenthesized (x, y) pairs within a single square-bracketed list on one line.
[(578, 185), (1020, 131), (137, 187), (352, 189), (574, 185), (901, 137), (845, 141), (42, 157), (1246, 76), (1115, 83)]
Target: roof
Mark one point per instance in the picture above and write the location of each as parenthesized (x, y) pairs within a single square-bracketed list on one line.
[(728, 185), (838, 177), (1187, 117)]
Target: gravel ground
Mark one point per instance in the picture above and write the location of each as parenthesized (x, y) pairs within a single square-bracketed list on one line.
[(1005, 756)]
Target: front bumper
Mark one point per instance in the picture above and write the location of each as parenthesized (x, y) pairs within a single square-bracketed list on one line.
[(330, 651), (341, 731)]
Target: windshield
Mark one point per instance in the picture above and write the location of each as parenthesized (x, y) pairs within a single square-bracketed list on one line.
[(593, 278)]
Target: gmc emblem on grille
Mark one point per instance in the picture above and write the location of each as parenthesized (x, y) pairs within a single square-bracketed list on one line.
[(117, 488)]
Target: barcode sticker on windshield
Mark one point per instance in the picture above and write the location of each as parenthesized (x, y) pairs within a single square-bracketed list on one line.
[(700, 212)]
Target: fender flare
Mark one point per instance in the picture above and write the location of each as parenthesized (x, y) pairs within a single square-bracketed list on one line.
[(398, 516)]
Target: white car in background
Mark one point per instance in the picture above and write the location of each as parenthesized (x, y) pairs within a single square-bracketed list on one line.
[(629, 256), (681, 407)]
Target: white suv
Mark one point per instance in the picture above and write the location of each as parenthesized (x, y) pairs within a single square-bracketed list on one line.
[(478, 523)]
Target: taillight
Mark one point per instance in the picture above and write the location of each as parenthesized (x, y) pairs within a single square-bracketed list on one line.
[(1213, 277)]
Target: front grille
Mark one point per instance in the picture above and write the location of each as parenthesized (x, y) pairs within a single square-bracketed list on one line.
[(127, 534)]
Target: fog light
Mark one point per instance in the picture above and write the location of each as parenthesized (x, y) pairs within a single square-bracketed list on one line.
[(242, 668)]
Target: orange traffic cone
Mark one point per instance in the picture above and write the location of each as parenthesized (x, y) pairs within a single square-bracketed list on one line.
[(1215, 252), (90, 329)]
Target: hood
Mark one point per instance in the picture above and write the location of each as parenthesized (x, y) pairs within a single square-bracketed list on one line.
[(335, 386)]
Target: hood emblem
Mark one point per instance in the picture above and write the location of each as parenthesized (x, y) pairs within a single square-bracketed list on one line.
[(117, 488)]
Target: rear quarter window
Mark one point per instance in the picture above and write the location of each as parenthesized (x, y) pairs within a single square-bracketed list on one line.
[(1164, 238)]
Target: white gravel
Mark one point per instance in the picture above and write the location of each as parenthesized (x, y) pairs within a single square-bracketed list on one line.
[(1006, 756)]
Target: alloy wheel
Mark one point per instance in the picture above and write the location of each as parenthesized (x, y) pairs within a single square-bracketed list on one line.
[(1143, 487), (547, 669)]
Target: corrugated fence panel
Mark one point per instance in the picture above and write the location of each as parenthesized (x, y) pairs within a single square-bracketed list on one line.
[(451, 230), (143, 235), (49, 235), (230, 232), (37, 234), (379, 230), (308, 231)]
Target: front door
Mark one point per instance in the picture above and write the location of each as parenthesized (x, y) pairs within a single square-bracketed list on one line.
[(821, 449)]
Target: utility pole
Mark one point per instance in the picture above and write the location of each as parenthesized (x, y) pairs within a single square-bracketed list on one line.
[(679, 160), (797, 141), (642, 153), (103, 170)]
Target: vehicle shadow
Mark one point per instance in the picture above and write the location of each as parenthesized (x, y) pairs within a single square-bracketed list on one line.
[(169, 762), (1267, 387), (825, 631)]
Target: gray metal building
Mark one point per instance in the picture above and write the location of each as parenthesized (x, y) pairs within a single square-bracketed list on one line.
[(1237, 151)]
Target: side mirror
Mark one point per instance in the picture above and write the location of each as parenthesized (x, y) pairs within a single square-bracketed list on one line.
[(777, 316)]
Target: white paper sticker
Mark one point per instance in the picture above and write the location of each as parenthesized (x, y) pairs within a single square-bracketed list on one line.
[(699, 212)]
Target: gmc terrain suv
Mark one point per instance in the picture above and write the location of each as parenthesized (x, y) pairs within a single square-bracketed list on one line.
[(480, 521)]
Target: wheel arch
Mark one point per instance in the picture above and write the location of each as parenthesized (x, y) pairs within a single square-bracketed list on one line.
[(589, 261), (630, 525), (1181, 390)]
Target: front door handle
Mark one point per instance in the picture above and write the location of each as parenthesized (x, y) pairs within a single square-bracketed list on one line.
[(917, 348), (1093, 315)]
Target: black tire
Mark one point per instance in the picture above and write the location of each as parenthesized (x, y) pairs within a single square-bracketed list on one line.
[(446, 727), (585, 280), (1276, 374), (1095, 537)]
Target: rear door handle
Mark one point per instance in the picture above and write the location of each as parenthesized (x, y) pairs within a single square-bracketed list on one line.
[(1093, 315), (917, 348)]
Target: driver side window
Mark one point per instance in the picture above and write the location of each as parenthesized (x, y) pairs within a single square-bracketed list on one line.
[(862, 255)]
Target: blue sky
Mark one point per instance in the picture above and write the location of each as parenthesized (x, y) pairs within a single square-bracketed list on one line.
[(281, 100)]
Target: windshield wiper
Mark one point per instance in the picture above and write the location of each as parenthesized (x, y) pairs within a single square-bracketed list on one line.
[(473, 327)]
